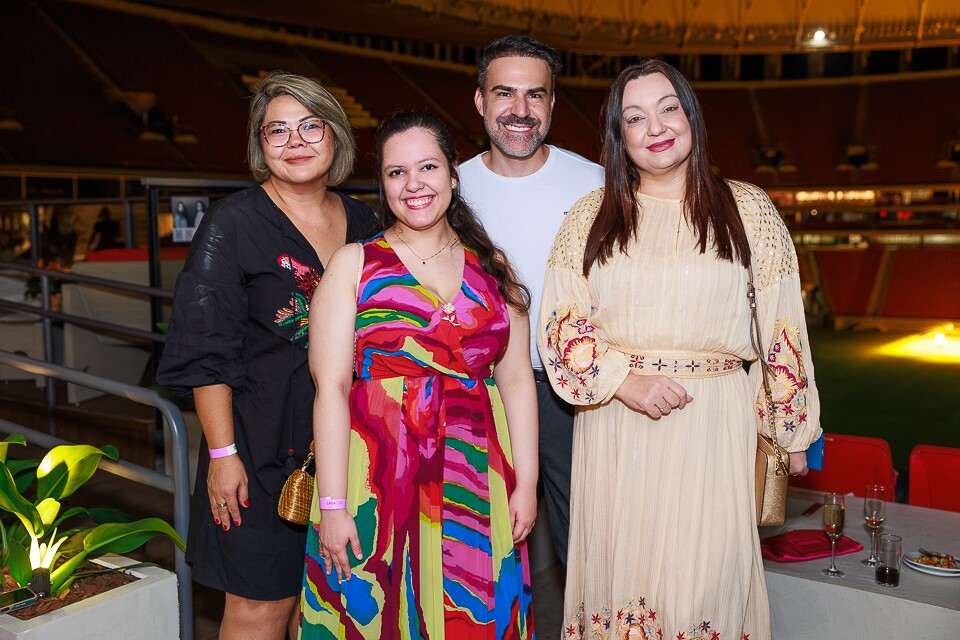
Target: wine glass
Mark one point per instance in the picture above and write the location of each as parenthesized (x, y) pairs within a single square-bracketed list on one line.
[(873, 512), (833, 525)]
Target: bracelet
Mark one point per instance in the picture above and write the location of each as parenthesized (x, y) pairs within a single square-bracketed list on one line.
[(333, 503), (223, 452)]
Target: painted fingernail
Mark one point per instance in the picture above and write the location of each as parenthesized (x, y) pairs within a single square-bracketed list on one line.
[(224, 527), (236, 522), (246, 503), (217, 520)]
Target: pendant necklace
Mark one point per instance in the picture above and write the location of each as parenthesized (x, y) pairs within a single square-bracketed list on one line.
[(449, 311), (423, 260)]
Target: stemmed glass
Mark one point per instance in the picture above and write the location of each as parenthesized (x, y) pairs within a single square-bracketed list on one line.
[(833, 510), (873, 512)]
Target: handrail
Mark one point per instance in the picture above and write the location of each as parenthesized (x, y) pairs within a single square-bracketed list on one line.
[(81, 321), (45, 202), (178, 485), (70, 276)]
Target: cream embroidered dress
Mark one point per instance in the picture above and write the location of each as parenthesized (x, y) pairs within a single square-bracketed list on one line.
[(663, 538)]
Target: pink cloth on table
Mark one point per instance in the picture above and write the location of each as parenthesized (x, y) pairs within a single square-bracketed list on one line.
[(804, 544)]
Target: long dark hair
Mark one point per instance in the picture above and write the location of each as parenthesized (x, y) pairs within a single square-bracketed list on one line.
[(708, 202), (460, 216)]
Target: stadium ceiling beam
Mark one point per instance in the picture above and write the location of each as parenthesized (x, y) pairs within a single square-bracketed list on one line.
[(744, 9), (581, 13), (632, 18), (921, 19), (802, 21), (689, 18), (533, 9), (861, 13)]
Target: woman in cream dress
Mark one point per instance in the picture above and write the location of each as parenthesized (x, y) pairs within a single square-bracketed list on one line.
[(645, 323)]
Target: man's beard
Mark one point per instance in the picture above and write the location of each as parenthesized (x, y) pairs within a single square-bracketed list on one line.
[(516, 145)]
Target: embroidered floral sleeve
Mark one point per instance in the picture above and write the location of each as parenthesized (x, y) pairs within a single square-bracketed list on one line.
[(783, 326), (583, 369)]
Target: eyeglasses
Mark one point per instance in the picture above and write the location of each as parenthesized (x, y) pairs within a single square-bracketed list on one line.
[(278, 134)]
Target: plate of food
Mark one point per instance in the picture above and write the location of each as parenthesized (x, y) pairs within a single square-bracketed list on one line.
[(936, 563)]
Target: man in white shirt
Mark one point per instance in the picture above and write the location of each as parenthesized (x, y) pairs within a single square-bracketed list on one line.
[(521, 189)]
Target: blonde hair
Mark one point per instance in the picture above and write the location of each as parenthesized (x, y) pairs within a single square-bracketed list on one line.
[(317, 101)]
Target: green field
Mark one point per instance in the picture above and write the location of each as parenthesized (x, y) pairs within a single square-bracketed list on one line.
[(905, 402)]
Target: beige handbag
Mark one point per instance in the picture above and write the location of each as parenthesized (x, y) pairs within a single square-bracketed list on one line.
[(773, 463), (297, 494)]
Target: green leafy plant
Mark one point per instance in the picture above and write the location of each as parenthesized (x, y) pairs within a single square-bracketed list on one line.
[(31, 539)]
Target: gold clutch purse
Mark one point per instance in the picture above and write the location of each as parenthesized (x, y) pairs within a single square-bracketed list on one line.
[(297, 494)]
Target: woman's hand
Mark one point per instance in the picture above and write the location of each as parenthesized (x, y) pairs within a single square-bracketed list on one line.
[(798, 463), (227, 489), (523, 512), (337, 530), (655, 396)]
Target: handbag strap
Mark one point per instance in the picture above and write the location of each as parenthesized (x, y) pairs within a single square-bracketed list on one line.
[(764, 370)]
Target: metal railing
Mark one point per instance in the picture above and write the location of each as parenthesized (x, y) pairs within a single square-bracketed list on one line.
[(178, 485), (49, 316)]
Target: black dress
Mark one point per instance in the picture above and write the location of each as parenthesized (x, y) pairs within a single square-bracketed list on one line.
[(240, 319)]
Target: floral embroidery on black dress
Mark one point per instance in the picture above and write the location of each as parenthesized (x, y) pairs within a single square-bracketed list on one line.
[(298, 311)]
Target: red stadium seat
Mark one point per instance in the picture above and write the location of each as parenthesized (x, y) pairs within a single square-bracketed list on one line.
[(850, 463), (935, 477)]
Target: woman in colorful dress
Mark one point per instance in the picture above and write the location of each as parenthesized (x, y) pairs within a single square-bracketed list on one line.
[(238, 343), (645, 321), (426, 411)]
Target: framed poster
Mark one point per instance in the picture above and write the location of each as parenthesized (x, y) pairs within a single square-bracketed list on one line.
[(187, 211)]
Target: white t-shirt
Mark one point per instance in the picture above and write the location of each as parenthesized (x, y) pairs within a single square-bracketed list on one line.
[(522, 215)]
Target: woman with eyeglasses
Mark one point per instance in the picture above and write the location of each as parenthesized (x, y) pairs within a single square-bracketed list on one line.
[(238, 343)]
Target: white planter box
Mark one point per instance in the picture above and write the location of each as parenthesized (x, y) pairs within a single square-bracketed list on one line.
[(146, 609)]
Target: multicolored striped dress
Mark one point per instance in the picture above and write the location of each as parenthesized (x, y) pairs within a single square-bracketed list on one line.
[(430, 469)]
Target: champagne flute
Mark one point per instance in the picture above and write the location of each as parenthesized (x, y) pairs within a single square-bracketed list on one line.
[(833, 510), (873, 512)]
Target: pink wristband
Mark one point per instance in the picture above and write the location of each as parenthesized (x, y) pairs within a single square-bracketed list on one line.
[(223, 452), (333, 503)]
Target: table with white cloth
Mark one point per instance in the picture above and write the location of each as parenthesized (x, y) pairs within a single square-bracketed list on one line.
[(804, 603)]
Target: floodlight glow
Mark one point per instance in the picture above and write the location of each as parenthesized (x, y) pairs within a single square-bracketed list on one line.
[(819, 35), (940, 345)]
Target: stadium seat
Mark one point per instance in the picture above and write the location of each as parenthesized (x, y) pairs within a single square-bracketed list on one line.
[(935, 477), (850, 463)]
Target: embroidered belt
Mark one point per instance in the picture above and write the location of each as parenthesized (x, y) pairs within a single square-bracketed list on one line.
[(685, 366)]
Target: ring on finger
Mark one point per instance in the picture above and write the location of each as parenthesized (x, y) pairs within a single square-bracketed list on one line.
[(221, 504)]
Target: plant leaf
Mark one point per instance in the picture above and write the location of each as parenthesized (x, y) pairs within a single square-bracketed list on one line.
[(65, 468), (48, 509), (15, 438), (4, 557), (113, 537), (12, 501), (19, 563), (24, 472), (99, 516), (18, 466), (103, 516)]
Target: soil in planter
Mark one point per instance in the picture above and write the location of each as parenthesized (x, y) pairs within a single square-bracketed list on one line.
[(81, 589)]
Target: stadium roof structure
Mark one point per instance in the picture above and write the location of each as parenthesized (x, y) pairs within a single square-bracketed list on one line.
[(623, 26)]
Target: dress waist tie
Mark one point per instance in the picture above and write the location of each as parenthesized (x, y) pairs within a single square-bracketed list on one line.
[(685, 365)]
